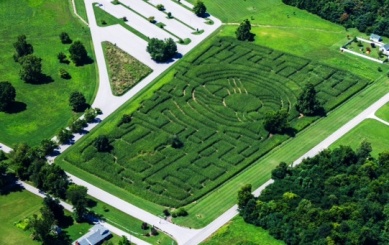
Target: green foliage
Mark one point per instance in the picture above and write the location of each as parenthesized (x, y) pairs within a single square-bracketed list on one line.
[(160, 7), (7, 95), (64, 136), (64, 74), (337, 195), (243, 32), (216, 103), (199, 8), (31, 71), (47, 146), (22, 48), (77, 194), (244, 195), (62, 57), (307, 102), (3, 175), (65, 39), (126, 118), (78, 53), (276, 122), (77, 101), (181, 212), (281, 171), (151, 19), (124, 241), (90, 115), (169, 15), (77, 125), (366, 17), (161, 51), (102, 144)]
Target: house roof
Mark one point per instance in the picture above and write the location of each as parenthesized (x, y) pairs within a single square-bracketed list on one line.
[(386, 46), (95, 235), (375, 36)]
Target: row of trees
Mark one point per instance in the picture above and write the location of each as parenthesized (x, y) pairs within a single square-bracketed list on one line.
[(367, 16), (339, 196)]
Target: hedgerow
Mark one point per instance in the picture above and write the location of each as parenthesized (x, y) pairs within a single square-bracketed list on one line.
[(215, 105)]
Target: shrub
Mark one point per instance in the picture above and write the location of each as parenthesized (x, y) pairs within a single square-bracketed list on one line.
[(151, 19), (379, 69), (126, 118), (166, 212), (90, 115), (169, 15), (144, 226), (62, 57), (102, 143), (64, 74), (77, 101), (154, 231), (64, 136), (65, 39), (160, 7), (78, 125)]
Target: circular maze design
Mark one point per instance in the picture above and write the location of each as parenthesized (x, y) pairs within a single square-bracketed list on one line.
[(214, 104)]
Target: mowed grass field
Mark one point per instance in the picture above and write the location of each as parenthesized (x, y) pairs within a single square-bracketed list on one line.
[(383, 112), (46, 105), (215, 105), (14, 207), (239, 232), (369, 130), (298, 38)]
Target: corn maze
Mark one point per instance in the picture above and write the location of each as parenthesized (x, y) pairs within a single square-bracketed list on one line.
[(215, 106)]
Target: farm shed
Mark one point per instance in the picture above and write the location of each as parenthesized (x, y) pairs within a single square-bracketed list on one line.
[(385, 49)]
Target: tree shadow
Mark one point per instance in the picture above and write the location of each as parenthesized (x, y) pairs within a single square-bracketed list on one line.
[(91, 203), (290, 131), (12, 186), (177, 56), (42, 79), (86, 61), (65, 222), (321, 112), (16, 107)]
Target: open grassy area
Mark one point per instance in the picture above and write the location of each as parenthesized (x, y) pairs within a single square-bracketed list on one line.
[(215, 106), (124, 70), (128, 223), (81, 10), (41, 22), (369, 130), (239, 232), (14, 207), (383, 112)]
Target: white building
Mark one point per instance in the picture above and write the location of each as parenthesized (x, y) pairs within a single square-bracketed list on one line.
[(385, 49), (95, 235)]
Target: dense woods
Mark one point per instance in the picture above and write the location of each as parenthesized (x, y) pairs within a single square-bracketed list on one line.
[(371, 16), (339, 196)]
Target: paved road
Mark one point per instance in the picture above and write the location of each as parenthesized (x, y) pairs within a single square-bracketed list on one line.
[(69, 207)]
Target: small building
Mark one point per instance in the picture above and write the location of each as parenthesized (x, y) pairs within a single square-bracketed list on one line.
[(375, 38), (96, 235), (385, 49)]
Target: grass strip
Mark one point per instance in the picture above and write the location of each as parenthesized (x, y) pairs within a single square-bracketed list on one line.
[(80, 9)]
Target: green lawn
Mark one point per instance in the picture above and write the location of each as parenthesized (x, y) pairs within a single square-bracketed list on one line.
[(369, 130), (239, 232), (383, 112), (128, 223), (81, 10), (14, 207), (46, 105)]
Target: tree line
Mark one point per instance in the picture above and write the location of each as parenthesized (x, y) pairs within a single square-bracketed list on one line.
[(340, 196), (370, 16)]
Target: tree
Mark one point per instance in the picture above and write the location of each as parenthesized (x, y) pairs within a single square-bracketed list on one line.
[(307, 102), (3, 175), (78, 53), (244, 195), (48, 146), (77, 101), (62, 57), (199, 8), (78, 125), (42, 226), (280, 172), (176, 142), (31, 71), (64, 74), (126, 118), (65, 39), (243, 32), (55, 207), (160, 7), (276, 122), (124, 241), (7, 95), (90, 115), (102, 143), (160, 50), (64, 136), (22, 48), (76, 194)]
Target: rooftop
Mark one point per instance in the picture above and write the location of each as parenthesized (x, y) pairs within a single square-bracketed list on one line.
[(95, 235)]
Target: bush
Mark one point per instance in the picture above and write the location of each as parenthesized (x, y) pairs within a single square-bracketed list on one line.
[(379, 69), (154, 231), (160, 7), (151, 19), (65, 39), (64, 136), (181, 212), (78, 125), (169, 15), (102, 143), (166, 212), (77, 101), (64, 74), (62, 57), (144, 226), (126, 118), (90, 115)]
